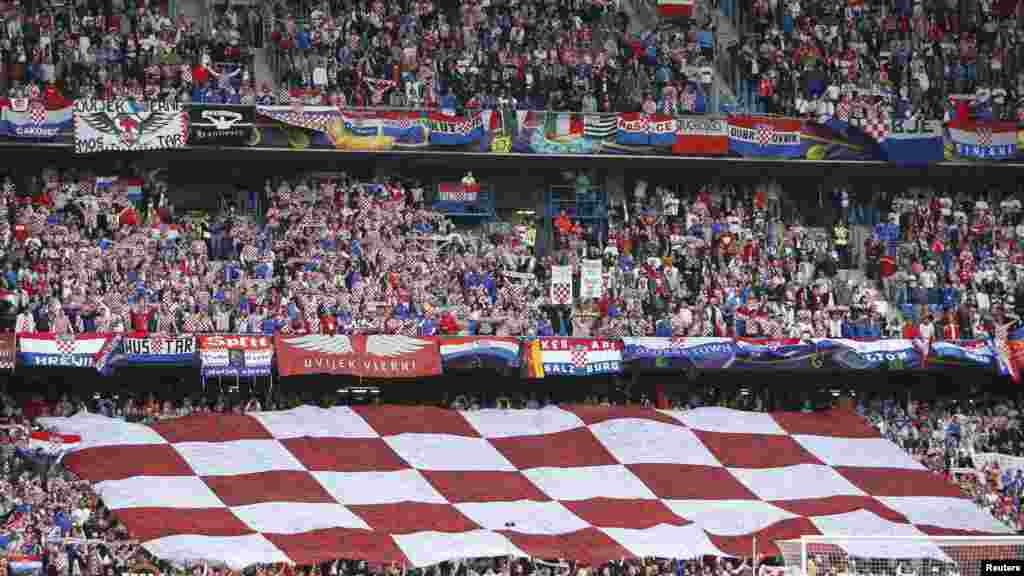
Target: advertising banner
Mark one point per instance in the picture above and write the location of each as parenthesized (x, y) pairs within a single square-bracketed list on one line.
[(50, 350), (222, 355), (126, 125), (141, 348), (375, 356), (213, 125)]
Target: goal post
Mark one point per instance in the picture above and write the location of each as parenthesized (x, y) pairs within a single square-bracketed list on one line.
[(896, 555)]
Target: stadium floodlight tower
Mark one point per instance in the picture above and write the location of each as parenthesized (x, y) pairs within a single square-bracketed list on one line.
[(903, 555)]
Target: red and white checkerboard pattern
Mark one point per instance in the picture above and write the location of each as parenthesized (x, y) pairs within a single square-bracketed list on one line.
[(877, 127), (579, 358), (765, 134), (561, 293), (37, 113), (843, 111), (984, 135), (65, 343), (418, 486)]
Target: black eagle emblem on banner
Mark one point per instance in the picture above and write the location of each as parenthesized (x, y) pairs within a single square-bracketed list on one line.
[(128, 127)]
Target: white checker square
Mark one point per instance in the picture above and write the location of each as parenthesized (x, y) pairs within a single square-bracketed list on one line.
[(729, 517), (867, 523), (803, 481), (297, 517), (447, 452), (98, 431), (158, 492), (665, 540), (314, 422), (513, 423), (354, 488), (586, 482), (429, 548), (858, 452), (526, 517), (237, 457), (638, 441), (726, 420), (238, 552), (944, 512)]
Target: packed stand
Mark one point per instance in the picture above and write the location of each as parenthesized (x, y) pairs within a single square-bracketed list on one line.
[(121, 50), (529, 55), (88, 254), (869, 60), (954, 438), (338, 255)]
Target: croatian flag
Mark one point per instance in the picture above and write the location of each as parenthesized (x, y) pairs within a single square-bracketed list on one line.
[(753, 136), (984, 140), (24, 565), (53, 443), (48, 350), (133, 188), (675, 8)]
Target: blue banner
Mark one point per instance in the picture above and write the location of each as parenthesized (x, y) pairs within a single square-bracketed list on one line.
[(146, 349)]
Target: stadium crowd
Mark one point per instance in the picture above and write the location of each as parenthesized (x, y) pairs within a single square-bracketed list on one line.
[(868, 59), (336, 255), (49, 514)]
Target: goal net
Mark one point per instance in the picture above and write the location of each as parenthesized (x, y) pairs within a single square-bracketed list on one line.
[(897, 556)]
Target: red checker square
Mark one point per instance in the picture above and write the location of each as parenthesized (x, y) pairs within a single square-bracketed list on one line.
[(898, 482), (273, 486), (459, 487), (120, 462), (151, 523), (318, 546), (394, 420), (684, 481), (212, 428), (616, 513), (789, 529), (810, 507), (836, 423), (410, 517), (345, 454), (591, 415), (755, 450), (939, 531), (590, 546), (572, 448)]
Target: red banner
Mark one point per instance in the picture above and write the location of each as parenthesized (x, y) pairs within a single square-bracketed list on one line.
[(377, 356)]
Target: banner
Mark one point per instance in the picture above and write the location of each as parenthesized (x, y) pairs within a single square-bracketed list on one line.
[(480, 352), (455, 192), (701, 136), (50, 350), (675, 8), (214, 125), (375, 356), (24, 565), (969, 353), (403, 126), (591, 280), (222, 355), (914, 143), (8, 349), (986, 140), (573, 357), (141, 348), (639, 129), (125, 125), (448, 130), (756, 136), (52, 443), (983, 460), (24, 118), (561, 285), (896, 354)]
